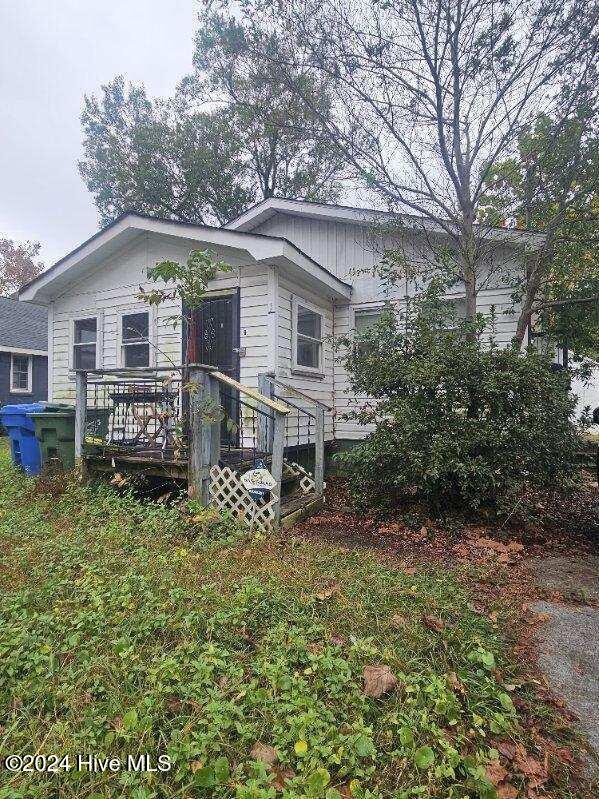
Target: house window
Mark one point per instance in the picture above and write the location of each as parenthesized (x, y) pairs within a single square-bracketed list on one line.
[(85, 333), (135, 345), (456, 308), (21, 368), (365, 319), (308, 345)]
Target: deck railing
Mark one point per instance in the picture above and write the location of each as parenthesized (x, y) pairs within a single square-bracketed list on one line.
[(206, 426), (304, 425)]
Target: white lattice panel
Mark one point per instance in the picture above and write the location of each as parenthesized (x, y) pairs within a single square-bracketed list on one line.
[(306, 481), (228, 493)]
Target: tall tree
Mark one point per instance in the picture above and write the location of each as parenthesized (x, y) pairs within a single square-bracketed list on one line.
[(552, 185), (431, 93), (160, 157), (18, 264), (232, 135), (286, 151)]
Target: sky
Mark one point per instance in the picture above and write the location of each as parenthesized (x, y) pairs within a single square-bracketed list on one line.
[(51, 54)]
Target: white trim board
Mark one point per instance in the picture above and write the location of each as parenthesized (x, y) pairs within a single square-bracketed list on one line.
[(366, 216), (255, 247), (23, 351)]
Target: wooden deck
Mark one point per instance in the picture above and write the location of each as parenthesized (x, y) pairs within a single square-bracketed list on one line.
[(295, 505)]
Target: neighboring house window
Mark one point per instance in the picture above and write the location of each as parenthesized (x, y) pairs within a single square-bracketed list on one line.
[(21, 369), (85, 334), (135, 346), (308, 339)]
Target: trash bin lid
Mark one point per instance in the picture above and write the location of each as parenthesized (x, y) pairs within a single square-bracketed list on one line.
[(23, 409), (45, 414)]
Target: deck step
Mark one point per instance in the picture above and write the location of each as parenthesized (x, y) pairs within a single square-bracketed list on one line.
[(299, 506)]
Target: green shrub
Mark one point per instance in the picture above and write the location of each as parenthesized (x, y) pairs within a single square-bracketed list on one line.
[(458, 421)]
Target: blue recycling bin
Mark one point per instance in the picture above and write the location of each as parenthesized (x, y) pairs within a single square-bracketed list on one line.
[(24, 445)]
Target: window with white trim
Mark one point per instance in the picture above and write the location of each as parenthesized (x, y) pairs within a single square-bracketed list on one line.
[(21, 371), (308, 338), (135, 339), (365, 318), (85, 342), (456, 308)]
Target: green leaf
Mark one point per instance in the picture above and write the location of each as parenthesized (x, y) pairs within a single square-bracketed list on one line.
[(318, 780), (130, 719), (205, 777), (406, 736), (221, 769), (364, 746), (506, 703), (424, 757), (301, 747)]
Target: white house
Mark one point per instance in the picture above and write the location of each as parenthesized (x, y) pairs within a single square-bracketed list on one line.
[(301, 276)]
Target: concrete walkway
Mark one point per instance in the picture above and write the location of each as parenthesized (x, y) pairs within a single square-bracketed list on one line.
[(568, 642)]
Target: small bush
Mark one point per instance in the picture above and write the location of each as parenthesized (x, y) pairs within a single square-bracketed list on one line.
[(458, 420)]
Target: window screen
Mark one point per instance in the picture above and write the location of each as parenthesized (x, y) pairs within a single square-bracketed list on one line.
[(309, 338), (84, 345), (20, 373), (135, 339)]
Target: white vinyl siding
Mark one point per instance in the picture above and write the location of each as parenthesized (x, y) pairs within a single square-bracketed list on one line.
[(318, 385), (111, 291), (267, 297)]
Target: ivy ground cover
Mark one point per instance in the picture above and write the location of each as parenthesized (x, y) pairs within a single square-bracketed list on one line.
[(251, 668)]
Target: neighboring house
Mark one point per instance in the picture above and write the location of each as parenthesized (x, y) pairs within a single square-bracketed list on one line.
[(23, 352), (300, 277)]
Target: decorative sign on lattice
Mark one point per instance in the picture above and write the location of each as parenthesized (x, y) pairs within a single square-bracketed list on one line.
[(306, 481), (228, 493)]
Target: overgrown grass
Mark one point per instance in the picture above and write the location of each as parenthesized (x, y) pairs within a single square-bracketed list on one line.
[(126, 630)]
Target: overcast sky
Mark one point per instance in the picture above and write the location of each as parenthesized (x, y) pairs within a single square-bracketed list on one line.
[(51, 54)]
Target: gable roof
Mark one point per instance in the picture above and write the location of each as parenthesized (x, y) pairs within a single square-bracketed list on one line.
[(330, 212), (23, 326), (106, 242)]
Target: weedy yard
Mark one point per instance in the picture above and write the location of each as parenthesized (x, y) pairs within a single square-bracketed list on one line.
[(261, 668)]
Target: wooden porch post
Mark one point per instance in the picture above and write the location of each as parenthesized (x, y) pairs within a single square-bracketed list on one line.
[(80, 413), (319, 451), (200, 444), (277, 458)]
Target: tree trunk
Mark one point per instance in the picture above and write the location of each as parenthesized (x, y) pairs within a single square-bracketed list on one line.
[(468, 260)]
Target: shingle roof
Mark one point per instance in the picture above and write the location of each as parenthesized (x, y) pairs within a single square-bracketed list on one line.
[(23, 325)]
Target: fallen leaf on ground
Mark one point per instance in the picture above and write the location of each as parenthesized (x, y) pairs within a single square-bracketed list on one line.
[(495, 772), (434, 623), (378, 680), (506, 791), (455, 682), (398, 621), (327, 593), (281, 775), (506, 748), (264, 753)]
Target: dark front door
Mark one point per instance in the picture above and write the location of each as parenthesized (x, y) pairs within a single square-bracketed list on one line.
[(217, 329)]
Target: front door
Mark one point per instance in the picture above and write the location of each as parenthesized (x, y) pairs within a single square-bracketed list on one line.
[(217, 329)]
